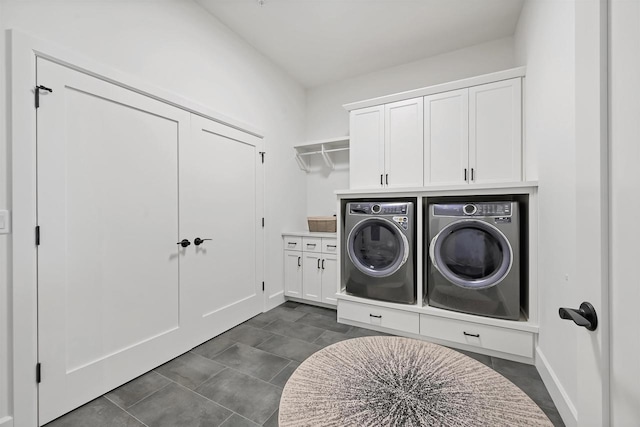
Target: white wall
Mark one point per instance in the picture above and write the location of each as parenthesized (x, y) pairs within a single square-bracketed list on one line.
[(327, 119), (177, 46), (545, 43)]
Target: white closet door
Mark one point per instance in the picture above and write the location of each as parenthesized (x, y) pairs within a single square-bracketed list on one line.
[(220, 199), (446, 138), (495, 132), (108, 290)]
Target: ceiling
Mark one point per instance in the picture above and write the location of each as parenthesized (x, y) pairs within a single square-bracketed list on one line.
[(320, 41)]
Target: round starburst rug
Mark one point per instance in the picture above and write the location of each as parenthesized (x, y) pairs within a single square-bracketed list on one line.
[(395, 381)]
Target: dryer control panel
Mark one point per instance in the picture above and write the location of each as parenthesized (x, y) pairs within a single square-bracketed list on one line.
[(484, 209), (374, 208)]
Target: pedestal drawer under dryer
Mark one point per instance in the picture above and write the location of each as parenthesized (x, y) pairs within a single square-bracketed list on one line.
[(400, 320), (505, 340)]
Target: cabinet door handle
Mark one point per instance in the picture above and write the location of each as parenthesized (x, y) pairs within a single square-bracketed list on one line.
[(292, 243), (377, 316), (381, 182), (472, 178), (318, 263), (471, 335), (332, 246), (299, 262), (323, 264), (465, 174), (386, 178)]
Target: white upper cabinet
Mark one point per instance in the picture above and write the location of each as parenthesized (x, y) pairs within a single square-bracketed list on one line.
[(386, 145), (446, 138), (403, 143), (495, 132), (366, 156), (463, 132), (474, 135)]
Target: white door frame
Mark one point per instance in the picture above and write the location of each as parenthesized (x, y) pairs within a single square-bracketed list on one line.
[(592, 207), (23, 271)]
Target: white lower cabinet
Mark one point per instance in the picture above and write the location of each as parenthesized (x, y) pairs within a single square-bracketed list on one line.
[(311, 272), (504, 340), (510, 341), (391, 318), (293, 273)]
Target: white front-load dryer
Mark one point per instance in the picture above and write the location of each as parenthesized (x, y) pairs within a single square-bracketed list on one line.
[(473, 259), (378, 257)]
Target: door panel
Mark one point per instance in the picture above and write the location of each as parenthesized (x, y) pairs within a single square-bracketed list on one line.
[(293, 273), (330, 279), (366, 158), (495, 132), (404, 143), (108, 259), (311, 276), (446, 137), (219, 188)]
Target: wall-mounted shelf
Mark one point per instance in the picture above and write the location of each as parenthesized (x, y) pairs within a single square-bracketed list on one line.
[(323, 148)]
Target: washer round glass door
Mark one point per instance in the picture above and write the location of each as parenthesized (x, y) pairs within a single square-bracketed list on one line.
[(377, 247), (471, 254)]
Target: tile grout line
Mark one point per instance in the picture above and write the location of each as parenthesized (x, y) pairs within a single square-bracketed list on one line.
[(127, 412)]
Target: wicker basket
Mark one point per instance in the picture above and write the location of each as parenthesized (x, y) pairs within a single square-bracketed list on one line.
[(324, 224)]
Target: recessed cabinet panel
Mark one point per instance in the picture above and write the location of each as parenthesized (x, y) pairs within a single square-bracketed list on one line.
[(329, 267), (311, 276), (446, 137), (403, 143), (366, 155), (293, 273), (495, 132)]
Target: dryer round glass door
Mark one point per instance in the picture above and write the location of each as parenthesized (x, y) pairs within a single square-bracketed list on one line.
[(377, 247), (471, 254)]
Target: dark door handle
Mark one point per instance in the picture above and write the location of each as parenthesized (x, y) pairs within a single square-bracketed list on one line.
[(184, 243), (318, 263), (323, 264), (299, 262), (386, 179), (198, 241), (381, 182), (584, 316)]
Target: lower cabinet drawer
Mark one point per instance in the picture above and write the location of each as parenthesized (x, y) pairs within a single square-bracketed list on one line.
[(490, 337), (379, 316)]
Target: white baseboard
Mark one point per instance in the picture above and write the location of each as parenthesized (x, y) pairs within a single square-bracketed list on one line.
[(274, 300), (6, 422), (563, 403)]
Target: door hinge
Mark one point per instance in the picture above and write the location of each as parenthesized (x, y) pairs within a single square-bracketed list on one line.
[(37, 235), (262, 222), (262, 286), (38, 372), (262, 155), (37, 93)]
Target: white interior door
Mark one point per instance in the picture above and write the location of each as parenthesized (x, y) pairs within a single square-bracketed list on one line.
[(625, 203), (108, 306), (446, 137), (220, 190)]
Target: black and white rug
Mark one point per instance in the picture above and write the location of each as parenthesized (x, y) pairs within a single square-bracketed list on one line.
[(394, 381)]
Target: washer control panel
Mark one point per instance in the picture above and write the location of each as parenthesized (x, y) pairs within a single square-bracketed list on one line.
[(485, 209), (374, 208)]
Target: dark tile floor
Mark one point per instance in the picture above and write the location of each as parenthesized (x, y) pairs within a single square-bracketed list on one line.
[(236, 379)]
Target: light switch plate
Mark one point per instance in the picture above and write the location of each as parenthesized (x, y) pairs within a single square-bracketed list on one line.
[(4, 222)]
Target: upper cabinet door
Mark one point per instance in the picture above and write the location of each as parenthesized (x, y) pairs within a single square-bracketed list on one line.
[(404, 143), (495, 132), (446, 138), (366, 157)]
